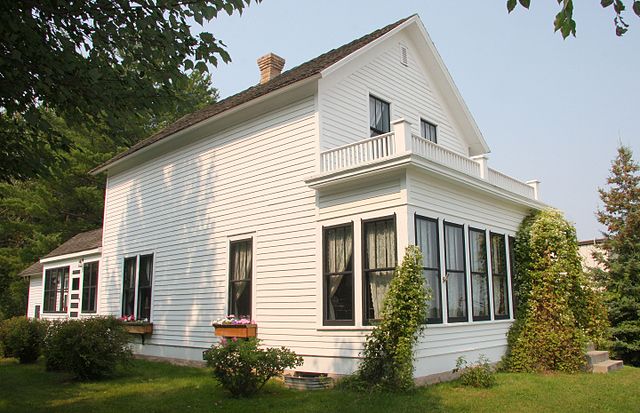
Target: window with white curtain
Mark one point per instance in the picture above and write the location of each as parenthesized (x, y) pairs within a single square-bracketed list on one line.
[(427, 240), (240, 271), (479, 275), (455, 273), (338, 274), (499, 276), (379, 258), (136, 286)]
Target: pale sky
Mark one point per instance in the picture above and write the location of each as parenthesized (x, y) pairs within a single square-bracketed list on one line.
[(550, 109)]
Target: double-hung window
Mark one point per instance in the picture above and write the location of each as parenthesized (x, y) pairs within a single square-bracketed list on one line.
[(136, 289), (479, 274), (240, 270), (427, 240), (89, 287), (56, 290), (379, 122), (512, 272), (379, 256), (499, 277), (338, 274), (455, 270), (429, 131)]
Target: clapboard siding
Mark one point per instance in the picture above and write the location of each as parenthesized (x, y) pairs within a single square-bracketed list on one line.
[(35, 296), (184, 206), (344, 99)]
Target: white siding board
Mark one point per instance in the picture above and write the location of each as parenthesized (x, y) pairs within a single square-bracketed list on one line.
[(35, 295)]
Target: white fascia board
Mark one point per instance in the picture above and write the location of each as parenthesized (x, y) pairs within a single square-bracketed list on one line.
[(79, 254)]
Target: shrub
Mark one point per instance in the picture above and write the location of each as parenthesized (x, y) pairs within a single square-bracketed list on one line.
[(242, 368), (388, 353), (478, 374), (21, 337), (88, 348)]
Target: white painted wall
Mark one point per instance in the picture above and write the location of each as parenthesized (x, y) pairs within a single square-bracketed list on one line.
[(35, 296), (344, 96)]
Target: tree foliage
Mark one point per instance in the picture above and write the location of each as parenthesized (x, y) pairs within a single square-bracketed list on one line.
[(558, 310), (388, 353), (565, 23), (94, 63), (39, 213), (621, 216)]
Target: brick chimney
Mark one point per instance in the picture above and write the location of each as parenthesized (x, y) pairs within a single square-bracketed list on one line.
[(270, 66)]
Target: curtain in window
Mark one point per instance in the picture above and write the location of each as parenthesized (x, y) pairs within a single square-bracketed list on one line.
[(427, 240), (145, 278), (240, 278), (479, 277), (456, 285), (381, 258), (499, 276), (339, 260), (129, 286)]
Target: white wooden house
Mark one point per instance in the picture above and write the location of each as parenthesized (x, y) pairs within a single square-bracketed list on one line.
[(293, 200)]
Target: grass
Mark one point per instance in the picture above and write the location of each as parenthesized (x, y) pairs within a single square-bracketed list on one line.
[(159, 387)]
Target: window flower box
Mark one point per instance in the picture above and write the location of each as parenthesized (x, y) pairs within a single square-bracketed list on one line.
[(138, 328), (236, 330)]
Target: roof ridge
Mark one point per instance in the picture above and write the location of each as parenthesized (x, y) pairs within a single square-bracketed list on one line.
[(298, 73)]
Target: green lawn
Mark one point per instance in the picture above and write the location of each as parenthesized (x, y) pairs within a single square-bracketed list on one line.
[(157, 387)]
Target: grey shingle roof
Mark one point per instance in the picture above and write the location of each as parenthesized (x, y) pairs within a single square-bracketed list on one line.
[(80, 242), (33, 270), (291, 76)]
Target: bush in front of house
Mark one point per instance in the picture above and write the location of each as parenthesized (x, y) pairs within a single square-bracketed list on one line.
[(478, 374), (88, 348), (388, 352), (21, 337), (243, 368)]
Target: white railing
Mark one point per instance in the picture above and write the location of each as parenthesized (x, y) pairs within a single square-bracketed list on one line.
[(443, 156), (354, 154), (510, 184)]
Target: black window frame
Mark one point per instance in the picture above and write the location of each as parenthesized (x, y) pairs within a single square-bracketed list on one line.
[(230, 301), (365, 271), (432, 320), (386, 123), (511, 240), (325, 274), (58, 293), (505, 276), (464, 318), (425, 125), (90, 287), (485, 274), (137, 289)]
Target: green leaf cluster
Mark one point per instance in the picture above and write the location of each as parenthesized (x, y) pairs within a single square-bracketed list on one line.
[(22, 338), (478, 374), (621, 280), (388, 352), (558, 309)]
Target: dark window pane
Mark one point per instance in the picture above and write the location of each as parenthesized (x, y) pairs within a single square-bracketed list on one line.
[(240, 270), (379, 116), (479, 276), (129, 286), (427, 240), (455, 269), (89, 287), (379, 263), (338, 274), (428, 131), (499, 276), (56, 289)]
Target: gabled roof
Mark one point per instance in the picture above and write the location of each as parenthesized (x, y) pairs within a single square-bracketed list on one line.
[(34, 270), (304, 71)]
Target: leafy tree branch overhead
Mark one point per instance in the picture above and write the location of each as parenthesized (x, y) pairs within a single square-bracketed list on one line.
[(94, 61), (565, 23)]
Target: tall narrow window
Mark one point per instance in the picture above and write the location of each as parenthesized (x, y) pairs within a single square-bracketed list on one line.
[(89, 287), (145, 274), (479, 274), (455, 269), (338, 274), (378, 116), (512, 272), (240, 269), (129, 286), (427, 240), (499, 276), (56, 290), (429, 131), (379, 240)]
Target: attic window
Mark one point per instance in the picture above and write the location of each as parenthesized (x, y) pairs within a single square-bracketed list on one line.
[(403, 55)]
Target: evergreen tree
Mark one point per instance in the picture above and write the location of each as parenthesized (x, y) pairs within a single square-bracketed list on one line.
[(621, 216)]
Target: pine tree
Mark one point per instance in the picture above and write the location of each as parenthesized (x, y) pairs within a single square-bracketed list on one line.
[(621, 216)]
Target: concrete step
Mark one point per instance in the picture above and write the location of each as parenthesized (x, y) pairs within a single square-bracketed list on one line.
[(591, 347), (594, 357), (607, 366)]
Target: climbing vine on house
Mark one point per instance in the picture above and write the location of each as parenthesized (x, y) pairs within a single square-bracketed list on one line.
[(388, 352), (558, 311)]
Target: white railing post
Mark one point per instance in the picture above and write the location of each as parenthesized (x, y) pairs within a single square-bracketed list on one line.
[(483, 161), (535, 184), (402, 131)]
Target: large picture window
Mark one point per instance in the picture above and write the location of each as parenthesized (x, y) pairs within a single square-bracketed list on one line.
[(136, 286), (379, 256), (89, 287), (479, 275), (338, 274), (56, 290), (499, 276), (240, 270), (455, 270), (379, 122), (427, 240)]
